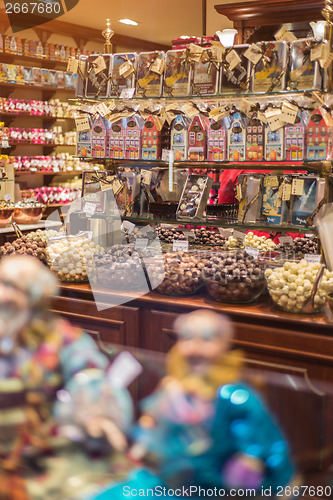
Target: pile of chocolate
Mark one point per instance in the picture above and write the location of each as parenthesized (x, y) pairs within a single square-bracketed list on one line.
[(234, 277), (120, 267), (209, 237), (168, 234), (298, 248), (26, 246)]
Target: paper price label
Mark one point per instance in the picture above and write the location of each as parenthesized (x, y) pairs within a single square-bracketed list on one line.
[(180, 245), (280, 34), (99, 64), (166, 155), (126, 69), (262, 117), (127, 93), (285, 240), (146, 176), (286, 191), (289, 37), (254, 252), (5, 143), (233, 59), (141, 243), (128, 226), (89, 208), (189, 110), (297, 187), (82, 124), (245, 106), (73, 65), (145, 230), (318, 52), (238, 235), (289, 112), (102, 109), (124, 369), (226, 233), (274, 119), (158, 66), (88, 108), (311, 257), (253, 53)]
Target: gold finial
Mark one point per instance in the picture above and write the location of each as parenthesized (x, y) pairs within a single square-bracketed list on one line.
[(108, 34)]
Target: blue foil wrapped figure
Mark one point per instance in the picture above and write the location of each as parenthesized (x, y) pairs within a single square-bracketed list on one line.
[(202, 431)]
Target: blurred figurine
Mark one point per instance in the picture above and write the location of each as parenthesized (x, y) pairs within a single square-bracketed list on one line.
[(39, 353), (201, 428)]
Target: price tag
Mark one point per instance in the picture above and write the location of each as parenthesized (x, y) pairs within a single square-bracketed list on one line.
[(5, 143), (233, 59), (274, 121), (88, 108), (166, 155), (189, 110), (145, 230), (289, 112), (180, 245), (99, 64), (141, 243), (262, 117), (102, 109), (89, 208), (158, 66), (7, 197), (289, 37), (254, 252), (226, 233), (280, 34), (127, 93), (189, 235), (129, 226), (327, 60), (318, 52), (146, 176), (72, 65), (245, 106), (285, 240), (297, 187), (126, 69), (312, 257), (82, 124), (253, 53), (124, 370), (56, 169), (238, 235), (286, 191)]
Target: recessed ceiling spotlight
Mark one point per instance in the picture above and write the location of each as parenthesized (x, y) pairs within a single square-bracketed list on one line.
[(183, 37), (128, 21)]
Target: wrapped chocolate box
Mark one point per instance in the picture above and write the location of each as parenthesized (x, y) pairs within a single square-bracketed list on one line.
[(304, 74), (205, 79), (217, 141), (255, 136), (237, 138), (194, 197), (150, 71), (307, 193), (3, 72), (133, 131), (11, 73), (269, 73), (177, 74), (151, 139), (179, 137), (45, 77), (123, 73), (235, 77), (28, 76), (197, 138), (275, 205), (116, 142), (97, 83), (274, 144), (294, 140), (37, 76), (319, 137)]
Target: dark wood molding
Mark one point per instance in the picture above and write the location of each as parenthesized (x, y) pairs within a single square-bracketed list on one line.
[(84, 34)]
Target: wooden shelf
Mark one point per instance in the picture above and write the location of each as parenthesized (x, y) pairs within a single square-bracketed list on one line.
[(43, 61), (19, 173), (8, 88), (28, 115)]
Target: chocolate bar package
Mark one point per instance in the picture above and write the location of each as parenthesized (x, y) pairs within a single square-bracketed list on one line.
[(177, 74), (97, 84), (11, 73), (304, 74), (236, 79), (275, 208), (28, 76), (81, 76), (310, 192), (45, 77), (250, 192), (270, 72), (37, 76), (205, 79), (149, 83), (123, 73)]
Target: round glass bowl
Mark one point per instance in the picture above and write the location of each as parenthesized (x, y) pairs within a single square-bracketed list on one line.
[(290, 286), (6, 215), (235, 278)]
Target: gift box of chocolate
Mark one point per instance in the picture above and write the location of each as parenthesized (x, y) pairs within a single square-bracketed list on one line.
[(275, 204), (274, 144), (45, 74), (193, 200), (69, 81), (99, 137), (99, 67), (236, 71), (205, 79), (179, 137), (319, 137), (3, 72), (177, 75), (237, 138), (116, 148), (217, 141), (197, 138), (151, 139), (150, 72), (37, 76), (61, 79), (249, 191), (255, 135), (123, 73), (20, 75), (294, 139), (53, 78), (304, 74), (133, 131), (83, 144), (307, 193), (11, 73), (270, 71)]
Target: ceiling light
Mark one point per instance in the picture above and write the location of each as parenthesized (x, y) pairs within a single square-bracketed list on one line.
[(184, 37), (128, 21)]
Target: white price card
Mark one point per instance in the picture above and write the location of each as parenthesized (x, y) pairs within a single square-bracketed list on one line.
[(127, 93), (254, 252), (146, 176), (89, 208), (88, 108), (285, 240), (166, 155), (141, 243), (274, 120), (312, 257), (72, 65), (189, 110), (5, 143), (129, 226), (99, 64), (145, 230), (82, 124), (180, 245), (245, 106), (280, 34), (289, 112), (124, 369), (297, 187), (286, 191), (289, 37), (253, 53), (238, 235), (262, 117), (226, 233), (7, 197), (233, 59), (102, 109)]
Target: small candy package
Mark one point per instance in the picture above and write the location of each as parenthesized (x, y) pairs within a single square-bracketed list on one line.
[(304, 74), (217, 141), (179, 137), (319, 137)]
